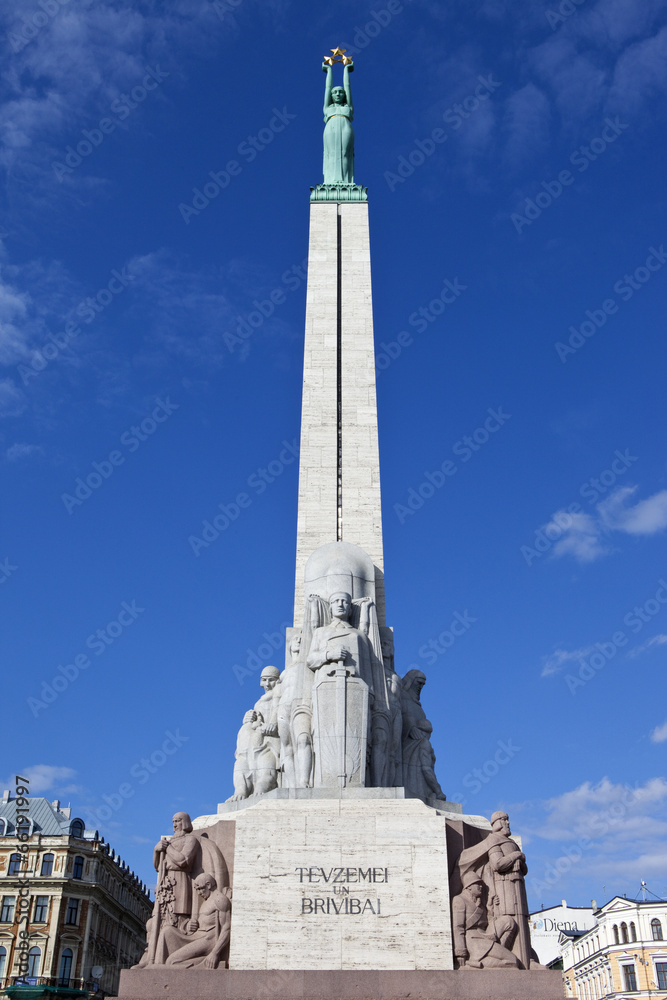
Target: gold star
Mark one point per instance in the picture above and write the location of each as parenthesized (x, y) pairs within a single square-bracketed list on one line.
[(338, 52)]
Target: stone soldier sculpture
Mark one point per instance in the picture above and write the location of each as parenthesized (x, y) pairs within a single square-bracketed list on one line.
[(294, 718), (508, 865), (173, 858), (480, 943)]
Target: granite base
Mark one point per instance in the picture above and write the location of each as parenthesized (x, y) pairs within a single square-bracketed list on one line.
[(339, 984)]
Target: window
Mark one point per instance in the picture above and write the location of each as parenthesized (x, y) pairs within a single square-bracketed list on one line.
[(34, 957), (76, 828), (3, 831), (14, 865), (78, 868), (7, 910), (656, 929), (65, 968), (41, 910), (72, 914), (660, 971), (629, 978), (615, 934), (47, 865), (624, 933), (3, 962), (633, 932)]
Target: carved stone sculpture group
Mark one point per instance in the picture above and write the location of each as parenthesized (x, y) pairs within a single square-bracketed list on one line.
[(490, 915), (191, 917), (338, 714)]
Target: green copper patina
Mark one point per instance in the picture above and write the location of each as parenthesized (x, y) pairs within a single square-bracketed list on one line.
[(338, 164)]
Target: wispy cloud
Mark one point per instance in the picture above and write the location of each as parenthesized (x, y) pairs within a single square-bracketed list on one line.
[(555, 662), (659, 734), (21, 450), (587, 537), (657, 640), (646, 518), (45, 778)]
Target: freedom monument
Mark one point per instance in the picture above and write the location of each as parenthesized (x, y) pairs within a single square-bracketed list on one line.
[(338, 868)]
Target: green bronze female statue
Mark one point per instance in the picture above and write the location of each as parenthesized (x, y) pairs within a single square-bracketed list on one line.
[(338, 131)]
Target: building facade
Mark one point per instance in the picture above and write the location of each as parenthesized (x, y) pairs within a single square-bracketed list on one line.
[(68, 904), (546, 925), (625, 955)]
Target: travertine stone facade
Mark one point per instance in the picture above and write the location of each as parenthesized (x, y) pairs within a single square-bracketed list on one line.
[(341, 884), (339, 360)]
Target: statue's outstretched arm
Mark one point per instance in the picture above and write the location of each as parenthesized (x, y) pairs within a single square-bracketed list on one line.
[(327, 86), (346, 83)]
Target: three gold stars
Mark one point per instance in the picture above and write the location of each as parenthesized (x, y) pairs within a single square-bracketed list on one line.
[(338, 55)]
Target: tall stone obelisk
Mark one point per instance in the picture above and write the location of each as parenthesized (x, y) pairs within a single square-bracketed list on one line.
[(339, 471)]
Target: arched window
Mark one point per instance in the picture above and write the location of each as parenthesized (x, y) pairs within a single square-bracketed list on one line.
[(3, 827), (616, 941), (76, 828), (77, 871), (34, 958), (3, 961), (624, 932), (65, 968), (633, 931), (47, 865), (14, 864), (656, 929)]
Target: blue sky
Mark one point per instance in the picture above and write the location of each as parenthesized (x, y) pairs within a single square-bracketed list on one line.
[(515, 150)]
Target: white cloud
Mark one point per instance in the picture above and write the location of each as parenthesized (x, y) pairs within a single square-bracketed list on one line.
[(554, 663), (646, 518), (527, 113), (585, 537), (596, 833), (582, 539), (657, 640), (12, 400), (20, 450), (44, 778), (659, 734)]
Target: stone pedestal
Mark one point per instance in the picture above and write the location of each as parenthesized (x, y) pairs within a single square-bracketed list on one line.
[(341, 883)]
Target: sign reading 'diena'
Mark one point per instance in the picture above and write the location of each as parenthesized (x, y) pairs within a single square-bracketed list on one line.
[(338, 881)]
